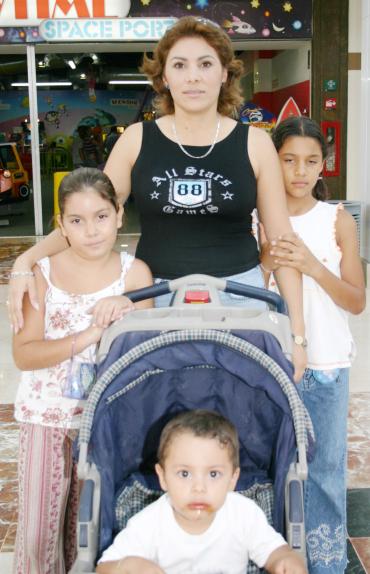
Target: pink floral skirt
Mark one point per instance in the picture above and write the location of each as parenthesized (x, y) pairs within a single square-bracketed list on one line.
[(48, 501)]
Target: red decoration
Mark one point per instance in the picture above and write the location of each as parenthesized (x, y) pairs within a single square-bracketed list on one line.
[(331, 131)]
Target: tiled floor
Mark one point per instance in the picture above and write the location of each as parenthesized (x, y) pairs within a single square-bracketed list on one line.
[(358, 433)]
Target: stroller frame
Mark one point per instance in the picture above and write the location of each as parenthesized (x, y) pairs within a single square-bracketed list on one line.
[(206, 322)]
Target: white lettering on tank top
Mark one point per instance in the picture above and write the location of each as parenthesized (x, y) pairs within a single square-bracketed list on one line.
[(191, 193)]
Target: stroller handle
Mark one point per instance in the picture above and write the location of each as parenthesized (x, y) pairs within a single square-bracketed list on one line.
[(165, 287)]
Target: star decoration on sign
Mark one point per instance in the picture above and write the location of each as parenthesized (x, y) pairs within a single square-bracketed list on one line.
[(154, 195), (201, 4), (227, 195), (287, 7), (255, 3), (145, 2)]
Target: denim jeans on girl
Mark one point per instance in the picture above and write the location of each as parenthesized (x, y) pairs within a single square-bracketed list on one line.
[(252, 277), (325, 395)]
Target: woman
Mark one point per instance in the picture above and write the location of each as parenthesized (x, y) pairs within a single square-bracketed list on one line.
[(196, 175)]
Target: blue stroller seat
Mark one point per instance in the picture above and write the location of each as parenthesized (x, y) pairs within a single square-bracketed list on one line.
[(151, 369)]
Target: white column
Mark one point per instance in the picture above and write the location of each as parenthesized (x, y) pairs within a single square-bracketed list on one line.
[(365, 130), (354, 121), (35, 147)]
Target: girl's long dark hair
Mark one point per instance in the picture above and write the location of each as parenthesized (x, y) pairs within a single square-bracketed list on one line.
[(303, 127)]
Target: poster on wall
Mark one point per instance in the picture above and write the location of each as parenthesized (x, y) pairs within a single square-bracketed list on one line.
[(257, 116)]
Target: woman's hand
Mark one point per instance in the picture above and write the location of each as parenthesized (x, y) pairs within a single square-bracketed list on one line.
[(110, 309), (21, 281), (299, 360), (290, 251)]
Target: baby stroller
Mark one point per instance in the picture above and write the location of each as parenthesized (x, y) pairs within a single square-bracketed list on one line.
[(158, 362)]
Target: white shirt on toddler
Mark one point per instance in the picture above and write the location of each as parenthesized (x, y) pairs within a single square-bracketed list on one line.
[(239, 532)]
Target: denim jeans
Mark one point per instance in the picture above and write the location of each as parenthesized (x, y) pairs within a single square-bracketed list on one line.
[(252, 277), (325, 395)]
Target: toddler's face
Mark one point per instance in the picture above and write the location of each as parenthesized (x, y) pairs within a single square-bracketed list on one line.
[(197, 475)]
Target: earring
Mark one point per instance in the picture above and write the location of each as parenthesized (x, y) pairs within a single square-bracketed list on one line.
[(166, 85), (320, 177)]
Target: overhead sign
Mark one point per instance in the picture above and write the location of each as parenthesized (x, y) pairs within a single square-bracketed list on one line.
[(104, 29), (31, 12)]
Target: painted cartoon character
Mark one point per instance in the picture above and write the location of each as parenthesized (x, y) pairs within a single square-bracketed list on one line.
[(237, 26)]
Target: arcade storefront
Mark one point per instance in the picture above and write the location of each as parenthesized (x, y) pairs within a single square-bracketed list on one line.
[(62, 67)]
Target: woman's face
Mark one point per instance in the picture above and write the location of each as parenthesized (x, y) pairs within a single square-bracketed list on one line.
[(194, 74)]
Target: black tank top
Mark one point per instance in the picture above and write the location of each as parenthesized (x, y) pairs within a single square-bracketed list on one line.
[(195, 214)]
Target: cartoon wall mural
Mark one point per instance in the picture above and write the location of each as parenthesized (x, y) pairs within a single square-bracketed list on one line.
[(61, 112)]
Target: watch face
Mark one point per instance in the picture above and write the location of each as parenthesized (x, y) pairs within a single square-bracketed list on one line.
[(299, 340)]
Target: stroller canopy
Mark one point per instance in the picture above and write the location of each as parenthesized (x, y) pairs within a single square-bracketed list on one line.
[(148, 377)]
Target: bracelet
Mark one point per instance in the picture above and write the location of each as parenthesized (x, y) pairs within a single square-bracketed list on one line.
[(265, 268), (14, 274), (74, 339)]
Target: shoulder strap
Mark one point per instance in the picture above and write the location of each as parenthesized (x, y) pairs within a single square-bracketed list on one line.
[(44, 265), (126, 262)]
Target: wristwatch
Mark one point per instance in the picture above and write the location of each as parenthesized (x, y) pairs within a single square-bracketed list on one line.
[(299, 340)]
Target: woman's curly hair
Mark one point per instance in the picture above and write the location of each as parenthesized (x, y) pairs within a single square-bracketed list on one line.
[(230, 98)]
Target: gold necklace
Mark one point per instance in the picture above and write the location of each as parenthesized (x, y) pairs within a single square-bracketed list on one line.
[(189, 154)]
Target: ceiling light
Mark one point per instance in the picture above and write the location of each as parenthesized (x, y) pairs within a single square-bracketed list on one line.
[(71, 64), (25, 84), (129, 82)]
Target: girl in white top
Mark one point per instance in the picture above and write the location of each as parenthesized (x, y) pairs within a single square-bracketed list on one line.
[(56, 352), (324, 248)]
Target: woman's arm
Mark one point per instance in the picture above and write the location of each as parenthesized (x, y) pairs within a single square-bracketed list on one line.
[(347, 291), (273, 213), (122, 159), (21, 280), (32, 351)]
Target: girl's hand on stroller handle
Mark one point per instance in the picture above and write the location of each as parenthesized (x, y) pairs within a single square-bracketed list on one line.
[(129, 565), (110, 309), (88, 337)]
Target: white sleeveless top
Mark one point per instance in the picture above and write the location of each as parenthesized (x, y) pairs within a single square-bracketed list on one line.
[(40, 397), (330, 343)]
